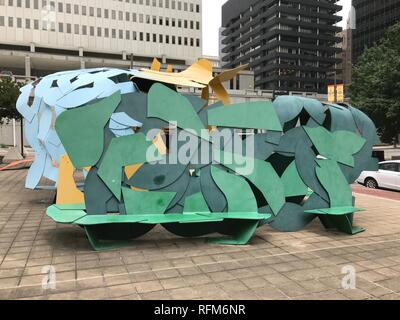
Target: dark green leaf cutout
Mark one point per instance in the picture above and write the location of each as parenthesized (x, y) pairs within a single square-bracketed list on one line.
[(124, 151)]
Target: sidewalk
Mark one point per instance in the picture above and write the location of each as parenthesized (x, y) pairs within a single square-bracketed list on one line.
[(302, 265)]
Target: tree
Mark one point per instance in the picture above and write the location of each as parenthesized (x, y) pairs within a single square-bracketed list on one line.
[(376, 85), (9, 92)]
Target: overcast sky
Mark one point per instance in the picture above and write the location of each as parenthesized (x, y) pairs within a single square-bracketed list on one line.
[(212, 23)]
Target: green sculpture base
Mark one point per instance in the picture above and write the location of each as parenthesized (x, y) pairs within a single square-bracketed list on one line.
[(128, 227)]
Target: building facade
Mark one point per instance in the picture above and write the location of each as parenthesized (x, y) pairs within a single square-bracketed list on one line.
[(347, 54), (291, 45), (39, 37), (373, 17)]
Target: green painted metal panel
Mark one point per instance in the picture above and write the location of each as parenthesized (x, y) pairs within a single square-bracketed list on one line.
[(292, 182), (335, 183), (124, 151), (141, 203), (260, 173), (236, 190), (196, 203), (336, 211), (252, 115), (170, 106), (339, 146), (81, 130)]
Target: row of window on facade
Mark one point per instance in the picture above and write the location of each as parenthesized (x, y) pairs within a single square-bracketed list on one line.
[(289, 85), (291, 73), (101, 32), (298, 6), (167, 4), (290, 51), (148, 19)]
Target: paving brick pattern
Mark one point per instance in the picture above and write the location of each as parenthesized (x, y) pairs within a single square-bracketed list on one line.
[(301, 265)]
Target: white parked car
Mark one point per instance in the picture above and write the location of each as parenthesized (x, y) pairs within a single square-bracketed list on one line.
[(387, 177)]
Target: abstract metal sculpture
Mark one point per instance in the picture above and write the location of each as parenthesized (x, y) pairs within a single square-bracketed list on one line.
[(122, 128)]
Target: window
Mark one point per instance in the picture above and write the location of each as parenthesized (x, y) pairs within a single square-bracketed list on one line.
[(390, 167), (1, 21)]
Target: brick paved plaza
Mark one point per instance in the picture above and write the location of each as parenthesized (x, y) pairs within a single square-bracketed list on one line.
[(302, 265)]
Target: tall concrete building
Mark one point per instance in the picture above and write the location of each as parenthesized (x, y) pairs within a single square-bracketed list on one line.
[(347, 52), (38, 37), (373, 17), (291, 45)]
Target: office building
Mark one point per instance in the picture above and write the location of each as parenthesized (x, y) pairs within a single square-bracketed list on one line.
[(39, 37), (291, 45), (373, 17), (347, 51)]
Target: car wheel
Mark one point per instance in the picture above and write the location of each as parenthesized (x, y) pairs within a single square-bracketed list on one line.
[(371, 183)]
